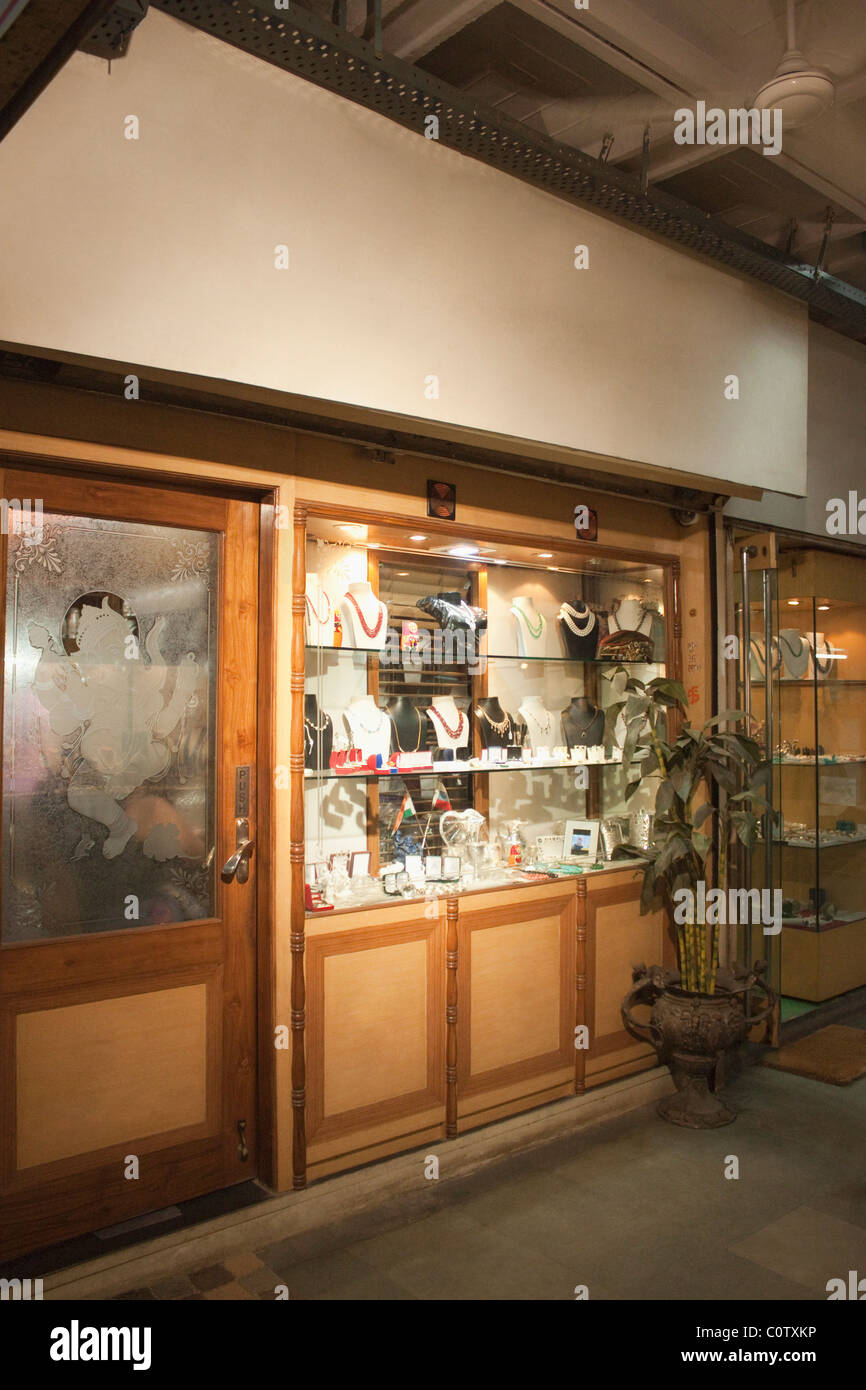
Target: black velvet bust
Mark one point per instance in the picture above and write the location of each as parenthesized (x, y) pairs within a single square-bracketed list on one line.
[(578, 646), (408, 726), (488, 713), (318, 735), (582, 723)]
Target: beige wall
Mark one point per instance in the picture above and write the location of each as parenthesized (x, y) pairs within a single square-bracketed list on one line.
[(407, 260)]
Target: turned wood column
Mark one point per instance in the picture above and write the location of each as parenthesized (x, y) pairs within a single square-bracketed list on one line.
[(451, 909), (580, 987), (297, 852)]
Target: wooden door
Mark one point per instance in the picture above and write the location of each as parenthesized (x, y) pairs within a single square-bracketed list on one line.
[(127, 958)]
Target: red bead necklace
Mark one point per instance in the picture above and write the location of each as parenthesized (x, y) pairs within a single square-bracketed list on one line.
[(370, 631), (452, 733)]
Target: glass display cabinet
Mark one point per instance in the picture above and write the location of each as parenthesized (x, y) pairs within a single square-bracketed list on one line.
[(812, 694), (454, 714)]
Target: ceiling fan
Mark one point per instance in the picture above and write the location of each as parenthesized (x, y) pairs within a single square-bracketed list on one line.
[(802, 93)]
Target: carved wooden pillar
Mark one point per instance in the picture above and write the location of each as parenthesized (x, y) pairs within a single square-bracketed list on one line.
[(451, 908), (297, 851), (580, 988)]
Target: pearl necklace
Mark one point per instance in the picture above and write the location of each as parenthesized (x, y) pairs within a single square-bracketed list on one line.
[(568, 615), (452, 733), (501, 728), (533, 632), (311, 728), (370, 631)]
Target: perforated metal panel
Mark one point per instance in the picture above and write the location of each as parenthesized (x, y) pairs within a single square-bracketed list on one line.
[(303, 44)]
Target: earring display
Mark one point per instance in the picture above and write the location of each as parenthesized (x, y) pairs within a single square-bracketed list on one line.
[(582, 724), (578, 628), (318, 734), (365, 617), (452, 611)]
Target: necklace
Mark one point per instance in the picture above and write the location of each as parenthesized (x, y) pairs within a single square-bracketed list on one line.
[(574, 718), (397, 735), (533, 631), (356, 717), (828, 650), (501, 728), (311, 728), (569, 615), (312, 608), (531, 715), (452, 733), (370, 631)]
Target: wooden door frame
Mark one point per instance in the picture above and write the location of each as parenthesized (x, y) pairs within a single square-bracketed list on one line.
[(112, 465)]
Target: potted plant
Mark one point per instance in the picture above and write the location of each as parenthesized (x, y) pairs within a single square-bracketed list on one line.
[(700, 1009)]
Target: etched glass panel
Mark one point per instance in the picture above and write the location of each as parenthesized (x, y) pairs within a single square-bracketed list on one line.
[(109, 727)]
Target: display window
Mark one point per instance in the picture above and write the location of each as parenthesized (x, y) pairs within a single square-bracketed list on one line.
[(454, 708)]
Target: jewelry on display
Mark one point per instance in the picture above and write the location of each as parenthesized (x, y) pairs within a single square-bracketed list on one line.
[(397, 735), (544, 728), (501, 728), (370, 632), (533, 631), (571, 617), (312, 608), (452, 733)]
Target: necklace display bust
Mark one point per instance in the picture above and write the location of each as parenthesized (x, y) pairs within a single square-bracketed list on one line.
[(821, 653), (578, 629), (450, 723), (795, 652), (540, 724), (531, 627), (408, 726), (369, 726), (319, 610), (318, 735), (365, 618), (495, 724), (582, 723)]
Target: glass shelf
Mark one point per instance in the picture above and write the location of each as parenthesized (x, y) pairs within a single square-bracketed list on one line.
[(486, 656), (823, 843), (823, 760), (451, 769)]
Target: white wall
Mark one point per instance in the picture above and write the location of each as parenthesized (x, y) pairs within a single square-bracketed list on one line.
[(407, 260), (836, 439)]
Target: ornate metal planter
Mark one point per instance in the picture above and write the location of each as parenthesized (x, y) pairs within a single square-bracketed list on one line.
[(691, 1032)]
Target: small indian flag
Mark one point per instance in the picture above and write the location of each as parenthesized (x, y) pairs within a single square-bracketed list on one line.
[(441, 800), (406, 812)]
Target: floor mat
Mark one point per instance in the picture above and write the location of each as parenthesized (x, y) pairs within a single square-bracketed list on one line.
[(834, 1054)]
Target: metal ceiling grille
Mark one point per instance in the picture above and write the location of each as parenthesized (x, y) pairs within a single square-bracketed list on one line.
[(302, 44)]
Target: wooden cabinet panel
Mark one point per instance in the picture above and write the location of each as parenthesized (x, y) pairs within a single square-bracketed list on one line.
[(617, 938)]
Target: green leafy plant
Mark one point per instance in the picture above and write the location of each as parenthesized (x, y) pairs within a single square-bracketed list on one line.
[(691, 837)]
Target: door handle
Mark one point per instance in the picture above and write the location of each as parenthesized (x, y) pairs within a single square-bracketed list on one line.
[(238, 864)]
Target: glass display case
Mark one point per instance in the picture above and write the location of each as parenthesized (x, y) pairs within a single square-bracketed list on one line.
[(814, 696), (454, 711)]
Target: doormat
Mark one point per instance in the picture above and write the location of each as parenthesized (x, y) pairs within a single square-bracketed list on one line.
[(834, 1054)]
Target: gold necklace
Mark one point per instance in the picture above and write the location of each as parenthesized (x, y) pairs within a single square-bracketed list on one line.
[(397, 735)]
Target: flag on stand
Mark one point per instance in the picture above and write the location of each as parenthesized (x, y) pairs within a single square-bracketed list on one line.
[(406, 812), (441, 800)]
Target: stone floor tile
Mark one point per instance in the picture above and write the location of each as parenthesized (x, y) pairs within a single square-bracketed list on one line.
[(177, 1286), (245, 1262), (808, 1247), (228, 1292), (211, 1277)]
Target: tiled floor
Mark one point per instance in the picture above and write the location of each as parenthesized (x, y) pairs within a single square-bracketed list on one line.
[(635, 1208)]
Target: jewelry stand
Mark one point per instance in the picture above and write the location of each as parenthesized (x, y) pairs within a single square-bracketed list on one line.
[(450, 723), (318, 735), (365, 618), (531, 627), (540, 723), (578, 630), (582, 723), (408, 726), (369, 726), (495, 724), (319, 614)]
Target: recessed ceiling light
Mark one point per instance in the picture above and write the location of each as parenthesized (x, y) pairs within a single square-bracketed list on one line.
[(402, 574), (374, 545), (354, 530), (553, 567), (545, 554), (500, 562), (463, 551), (417, 538), (823, 607), (793, 603)]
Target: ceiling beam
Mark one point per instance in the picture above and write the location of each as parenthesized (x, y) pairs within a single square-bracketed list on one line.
[(422, 25)]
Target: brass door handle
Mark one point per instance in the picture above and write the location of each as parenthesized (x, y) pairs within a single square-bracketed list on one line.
[(236, 864)]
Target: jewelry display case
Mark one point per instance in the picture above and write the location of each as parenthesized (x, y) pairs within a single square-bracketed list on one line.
[(465, 899), (817, 685)]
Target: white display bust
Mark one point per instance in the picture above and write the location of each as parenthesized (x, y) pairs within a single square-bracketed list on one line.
[(531, 627), (319, 614), (450, 723), (542, 729), (631, 616), (370, 726), (365, 619)]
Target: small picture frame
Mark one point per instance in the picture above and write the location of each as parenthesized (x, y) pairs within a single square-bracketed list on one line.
[(433, 868), (339, 861), (450, 867), (414, 866), (581, 840), (441, 500), (315, 872), (359, 864), (389, 883)]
